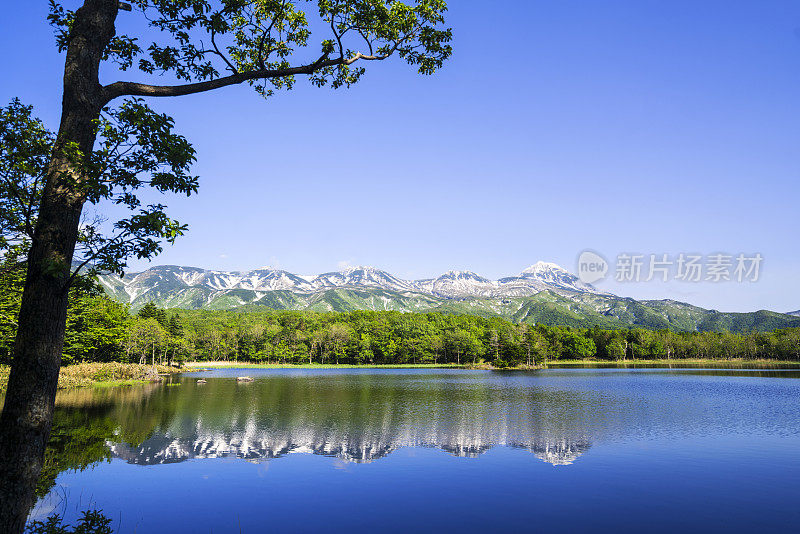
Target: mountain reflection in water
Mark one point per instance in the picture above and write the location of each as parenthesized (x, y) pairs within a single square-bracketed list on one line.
[(350, 416), (357, 418)]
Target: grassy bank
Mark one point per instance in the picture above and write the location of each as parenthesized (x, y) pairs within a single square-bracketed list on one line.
[(101, 374)]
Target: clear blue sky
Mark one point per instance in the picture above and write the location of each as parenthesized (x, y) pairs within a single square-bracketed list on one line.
[(643, 126)]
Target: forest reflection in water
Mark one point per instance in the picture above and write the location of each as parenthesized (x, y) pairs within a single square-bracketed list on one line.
[(354, 417)]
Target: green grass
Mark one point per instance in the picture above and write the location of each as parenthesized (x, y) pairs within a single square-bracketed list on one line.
[(100, 374)]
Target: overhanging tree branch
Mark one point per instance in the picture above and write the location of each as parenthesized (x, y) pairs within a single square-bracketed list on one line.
[(117, 89)]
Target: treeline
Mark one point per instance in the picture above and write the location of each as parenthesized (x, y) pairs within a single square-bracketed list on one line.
[(100, 329), (380, 337)]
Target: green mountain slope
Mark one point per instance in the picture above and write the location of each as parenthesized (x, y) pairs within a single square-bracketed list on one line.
[(545, 307)]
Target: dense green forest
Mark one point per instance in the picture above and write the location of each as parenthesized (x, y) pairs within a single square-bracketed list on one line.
[(401, 338), (100, 329)]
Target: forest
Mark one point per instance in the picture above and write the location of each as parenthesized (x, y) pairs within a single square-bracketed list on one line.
[(100, 329)]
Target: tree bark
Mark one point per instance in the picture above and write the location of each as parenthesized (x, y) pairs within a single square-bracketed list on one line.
[(28, 411)]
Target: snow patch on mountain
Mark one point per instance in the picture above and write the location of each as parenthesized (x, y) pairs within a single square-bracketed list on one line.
[(550, 274), (459, 284)]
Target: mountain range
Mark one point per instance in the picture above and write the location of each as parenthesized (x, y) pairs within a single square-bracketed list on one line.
[(544, 292)]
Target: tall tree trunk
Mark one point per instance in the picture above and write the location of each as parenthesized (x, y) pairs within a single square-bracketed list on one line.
[(28, 411)]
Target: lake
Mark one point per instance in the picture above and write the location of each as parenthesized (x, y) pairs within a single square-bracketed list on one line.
[(554, 450)]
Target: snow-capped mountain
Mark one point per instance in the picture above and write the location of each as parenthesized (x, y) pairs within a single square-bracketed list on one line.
[(176, 286), (362, 277), (459, 284), (542, 293), (543, 276), (550, 274), (540, 276)]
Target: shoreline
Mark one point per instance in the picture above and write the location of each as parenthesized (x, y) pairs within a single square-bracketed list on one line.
[(249, 365), (200, 365), (688, 361), (114, 374), (102, 375)]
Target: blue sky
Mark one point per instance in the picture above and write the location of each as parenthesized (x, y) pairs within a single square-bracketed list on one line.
[(637, 126)]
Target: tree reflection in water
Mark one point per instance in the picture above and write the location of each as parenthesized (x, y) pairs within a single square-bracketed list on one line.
[(354, 417)]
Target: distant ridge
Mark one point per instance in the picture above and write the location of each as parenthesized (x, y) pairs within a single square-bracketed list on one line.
[(542, 293), (452, 284)]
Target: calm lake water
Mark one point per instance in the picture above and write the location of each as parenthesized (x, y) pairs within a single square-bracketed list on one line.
[(557, 450)]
